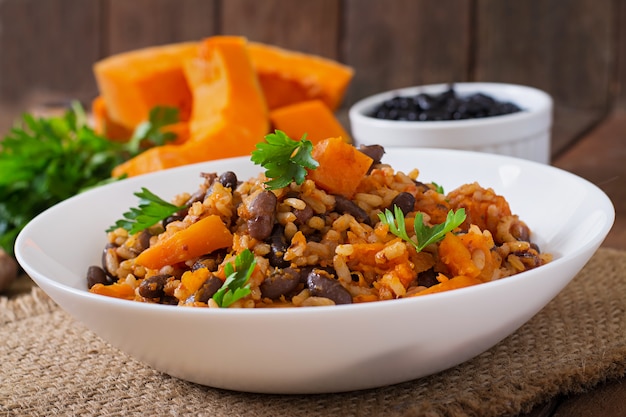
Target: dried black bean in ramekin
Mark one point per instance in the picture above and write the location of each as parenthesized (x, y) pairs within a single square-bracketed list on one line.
[(447, 105)]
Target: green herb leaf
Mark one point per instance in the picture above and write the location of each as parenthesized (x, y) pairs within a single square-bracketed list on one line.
[(152, 209), (395, 222), (235, 286), (438, 188), (427, 234), (45, 160), (150, 133), (284, 159), (424, 234)]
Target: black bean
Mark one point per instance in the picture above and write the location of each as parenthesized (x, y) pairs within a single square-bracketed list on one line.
[(316, 236), (375, 152), (423, 187), (210, 261), (320, 284), (169, 300), (529, 259), (427, 278), (199, 195), (144, 240), (208, 289), (306, 270), (262, 209), (444, 106), (405, 202), (280, 282), (228, 179), (96, 275), (346, 206), (303, 216), (173, 218), (152, 287), (278, 248)]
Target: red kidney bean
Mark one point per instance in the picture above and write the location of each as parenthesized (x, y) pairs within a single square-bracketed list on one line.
[(346, 206), (320, 284), (280, 282), (208, 289), (153, 287), (262, 210), (520, 231)]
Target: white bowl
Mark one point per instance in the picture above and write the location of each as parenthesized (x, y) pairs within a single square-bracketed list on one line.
[(525, 134), (322, 349)]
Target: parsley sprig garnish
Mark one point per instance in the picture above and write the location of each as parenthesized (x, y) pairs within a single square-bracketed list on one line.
[(425, 234), (284, 159), (45, 160), (150, 133), (236, 284), (151, 210), (438, 188)]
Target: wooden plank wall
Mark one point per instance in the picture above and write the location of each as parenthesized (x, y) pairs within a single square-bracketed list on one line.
[(575, 50)]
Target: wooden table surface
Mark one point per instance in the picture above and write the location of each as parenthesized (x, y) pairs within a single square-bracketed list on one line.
[(600, 157)]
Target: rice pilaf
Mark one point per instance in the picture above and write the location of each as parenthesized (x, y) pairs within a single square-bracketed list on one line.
[(314, 248)]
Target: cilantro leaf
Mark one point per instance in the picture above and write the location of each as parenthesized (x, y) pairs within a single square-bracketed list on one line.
[(425, 234), (152, 209), (235, 286), (284, 159)]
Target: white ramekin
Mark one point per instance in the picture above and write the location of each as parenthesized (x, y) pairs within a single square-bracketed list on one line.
[(524, 134)]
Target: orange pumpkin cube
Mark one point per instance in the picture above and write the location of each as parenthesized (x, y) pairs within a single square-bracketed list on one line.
[(341, 166)]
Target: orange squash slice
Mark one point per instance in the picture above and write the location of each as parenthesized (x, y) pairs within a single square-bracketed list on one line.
[(289, 77), (229, 114), (201, 237), (341, 166), (134, 82), (104, 125), (229, 109), (312, 117)]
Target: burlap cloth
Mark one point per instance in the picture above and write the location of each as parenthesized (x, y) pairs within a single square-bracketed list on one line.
[(52, 365)]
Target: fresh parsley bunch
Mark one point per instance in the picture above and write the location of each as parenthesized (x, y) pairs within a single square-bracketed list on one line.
[(45, 160)]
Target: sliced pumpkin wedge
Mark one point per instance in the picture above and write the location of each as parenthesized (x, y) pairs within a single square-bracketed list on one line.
[(132, 83), (104, 125), (289, 77), (312, 117), (229, 114)]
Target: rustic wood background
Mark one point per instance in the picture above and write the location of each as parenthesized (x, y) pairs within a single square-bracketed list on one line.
[(575, 50)]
